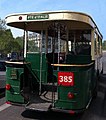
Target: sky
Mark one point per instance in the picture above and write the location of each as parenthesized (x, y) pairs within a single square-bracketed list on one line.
[(95, 8)]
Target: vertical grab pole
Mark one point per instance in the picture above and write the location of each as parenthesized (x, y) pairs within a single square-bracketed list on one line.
[(67, 41), (93, 44), (74, 43), (25, 43), (40, 82), (58, 45), (25, 40), (46, 41)]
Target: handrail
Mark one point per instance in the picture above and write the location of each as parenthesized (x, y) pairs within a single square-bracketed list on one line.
[(31, 71), (72, 65), (14, 62), (27, 65)]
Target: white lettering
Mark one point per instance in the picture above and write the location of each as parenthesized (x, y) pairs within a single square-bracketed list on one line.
[(65, 79)]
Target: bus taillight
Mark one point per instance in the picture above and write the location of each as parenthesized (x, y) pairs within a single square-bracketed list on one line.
[(8, 86), (8, 102), (70, 95)]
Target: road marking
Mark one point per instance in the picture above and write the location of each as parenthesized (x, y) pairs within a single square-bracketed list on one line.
[(4, 106)]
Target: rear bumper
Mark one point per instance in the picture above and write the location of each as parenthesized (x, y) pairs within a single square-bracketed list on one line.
[(72, 112)]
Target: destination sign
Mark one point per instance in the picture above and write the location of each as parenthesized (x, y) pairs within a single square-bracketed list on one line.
[(37, 17)]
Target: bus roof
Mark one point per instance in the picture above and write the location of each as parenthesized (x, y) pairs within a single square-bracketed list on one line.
[(19, 20)]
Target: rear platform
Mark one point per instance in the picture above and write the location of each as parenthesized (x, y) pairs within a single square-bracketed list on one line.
[(41, 102)]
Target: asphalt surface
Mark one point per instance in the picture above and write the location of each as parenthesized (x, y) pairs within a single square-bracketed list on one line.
[(96, 111), (2, 79)]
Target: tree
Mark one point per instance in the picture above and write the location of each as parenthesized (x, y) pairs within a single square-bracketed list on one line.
[(8, 43), (5, 37), (104, 45), (19, 41), (12, 46), (2, 24)]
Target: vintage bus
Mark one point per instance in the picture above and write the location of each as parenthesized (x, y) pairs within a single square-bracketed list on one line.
[(62, 59)]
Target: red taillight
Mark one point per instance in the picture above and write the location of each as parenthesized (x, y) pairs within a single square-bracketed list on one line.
[(70, 95), (7, 102), (8, 87), (72, 112)]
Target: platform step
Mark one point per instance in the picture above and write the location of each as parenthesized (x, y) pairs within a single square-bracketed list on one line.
[(41, 102), (39, 106)]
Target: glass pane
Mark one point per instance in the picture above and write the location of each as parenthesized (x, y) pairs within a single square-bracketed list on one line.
[(79, 41), (33, 42)]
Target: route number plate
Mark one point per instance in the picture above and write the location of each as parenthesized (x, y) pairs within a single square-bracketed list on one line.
[(66, 78)]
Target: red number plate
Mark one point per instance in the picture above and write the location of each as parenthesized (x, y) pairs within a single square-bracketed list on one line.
[(66, 78)]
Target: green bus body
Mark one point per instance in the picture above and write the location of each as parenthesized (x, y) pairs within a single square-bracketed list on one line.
[(62, 58), (13, 75), (83, 88)]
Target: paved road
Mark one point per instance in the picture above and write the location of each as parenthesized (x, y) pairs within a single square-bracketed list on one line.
[(96, 111), (2, 79)]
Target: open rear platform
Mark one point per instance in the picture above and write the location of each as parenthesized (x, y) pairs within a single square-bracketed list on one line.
[(41, 102)]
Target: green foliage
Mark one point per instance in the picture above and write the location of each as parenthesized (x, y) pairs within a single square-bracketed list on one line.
[(32, 47), (104, 45), (2, 24), (19, 40), (8, 43)]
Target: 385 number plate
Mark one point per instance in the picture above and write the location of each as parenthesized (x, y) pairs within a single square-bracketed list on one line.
[(66, 78)]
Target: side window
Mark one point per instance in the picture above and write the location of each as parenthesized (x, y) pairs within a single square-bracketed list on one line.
[(79, 42), (33, 42)]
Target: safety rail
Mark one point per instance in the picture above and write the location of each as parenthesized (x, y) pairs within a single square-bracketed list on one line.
[(73, 65)]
